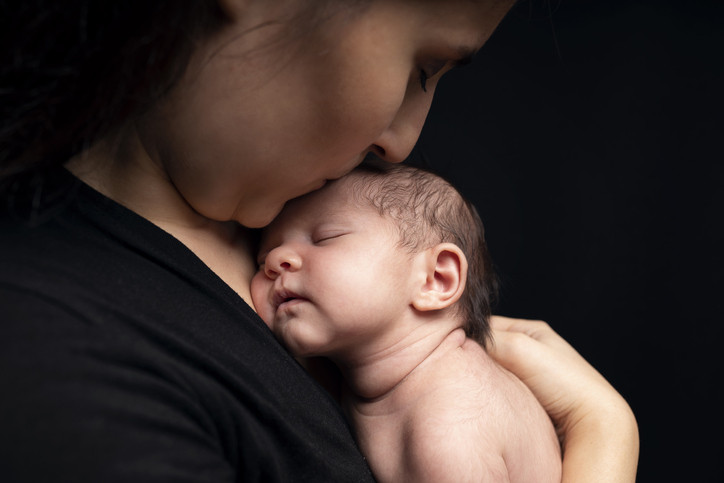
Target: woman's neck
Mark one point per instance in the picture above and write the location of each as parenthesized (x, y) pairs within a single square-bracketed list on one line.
[(124, 172)]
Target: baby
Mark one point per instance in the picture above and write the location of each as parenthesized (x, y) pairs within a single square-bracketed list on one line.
[(386, 273)]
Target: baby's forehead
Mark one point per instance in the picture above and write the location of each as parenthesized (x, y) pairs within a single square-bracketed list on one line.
[(336, 200), (336, 196)]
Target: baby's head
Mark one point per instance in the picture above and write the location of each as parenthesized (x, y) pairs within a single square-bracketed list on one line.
[(336, 261), (427, 210)]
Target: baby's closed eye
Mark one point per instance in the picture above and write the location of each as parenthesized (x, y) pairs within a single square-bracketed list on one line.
[(326, 236)]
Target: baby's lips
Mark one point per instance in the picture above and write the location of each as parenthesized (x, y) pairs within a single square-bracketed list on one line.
[(283, 295)]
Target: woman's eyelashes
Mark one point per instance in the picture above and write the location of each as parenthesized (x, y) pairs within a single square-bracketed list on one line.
[(431, 69), (423, 80)]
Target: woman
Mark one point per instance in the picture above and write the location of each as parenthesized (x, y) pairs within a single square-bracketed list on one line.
[(139, 141)]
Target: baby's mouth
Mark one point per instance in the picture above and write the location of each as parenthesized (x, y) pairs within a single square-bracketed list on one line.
[(284, 298)]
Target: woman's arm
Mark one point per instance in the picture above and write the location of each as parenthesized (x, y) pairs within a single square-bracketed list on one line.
[(597, 428)]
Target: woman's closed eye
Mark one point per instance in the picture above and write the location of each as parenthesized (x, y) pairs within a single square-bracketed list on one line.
[(429, 70), (432, 68)]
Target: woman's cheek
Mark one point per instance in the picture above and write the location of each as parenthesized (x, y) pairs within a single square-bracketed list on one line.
[(368, 107)]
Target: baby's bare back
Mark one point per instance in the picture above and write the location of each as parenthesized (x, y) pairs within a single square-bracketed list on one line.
[(459, 417)]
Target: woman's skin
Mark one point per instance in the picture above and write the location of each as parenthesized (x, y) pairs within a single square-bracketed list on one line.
[(255, 122), (258, 119), (598, 430)]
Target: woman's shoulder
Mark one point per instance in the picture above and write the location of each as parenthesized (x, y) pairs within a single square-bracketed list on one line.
[(116, 338)]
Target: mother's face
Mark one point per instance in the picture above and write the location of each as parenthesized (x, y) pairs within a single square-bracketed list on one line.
[(261, 117)]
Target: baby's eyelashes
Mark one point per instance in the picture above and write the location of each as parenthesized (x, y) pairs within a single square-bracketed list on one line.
[(326, 236)]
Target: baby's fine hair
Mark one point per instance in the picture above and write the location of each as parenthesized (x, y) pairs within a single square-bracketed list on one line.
[(428, 210)]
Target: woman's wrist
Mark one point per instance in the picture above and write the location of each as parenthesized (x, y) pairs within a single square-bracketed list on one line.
[(601, 443), (597, 428)]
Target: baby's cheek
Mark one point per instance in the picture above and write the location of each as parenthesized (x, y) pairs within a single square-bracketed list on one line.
[(260, 287)]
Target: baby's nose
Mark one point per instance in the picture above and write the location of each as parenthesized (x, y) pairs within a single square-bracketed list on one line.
[(281, 259)]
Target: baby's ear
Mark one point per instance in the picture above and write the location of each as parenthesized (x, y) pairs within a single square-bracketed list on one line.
[(446, 270)]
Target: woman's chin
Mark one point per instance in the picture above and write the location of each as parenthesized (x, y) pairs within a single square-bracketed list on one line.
[(259, 217)]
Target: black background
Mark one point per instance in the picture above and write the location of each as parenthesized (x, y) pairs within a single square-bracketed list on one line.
[(589, 135)]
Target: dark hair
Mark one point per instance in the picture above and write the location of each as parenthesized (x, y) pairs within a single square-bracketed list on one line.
[(75, 71), (429, 210)]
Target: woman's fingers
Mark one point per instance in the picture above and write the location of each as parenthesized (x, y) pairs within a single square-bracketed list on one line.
[(561, 379), (595, 424), (535, 329)]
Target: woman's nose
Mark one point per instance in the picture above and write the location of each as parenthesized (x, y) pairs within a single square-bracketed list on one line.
[(395, 144), (281, 259)]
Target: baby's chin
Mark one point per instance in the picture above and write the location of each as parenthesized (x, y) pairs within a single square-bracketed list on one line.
[(302, 340)]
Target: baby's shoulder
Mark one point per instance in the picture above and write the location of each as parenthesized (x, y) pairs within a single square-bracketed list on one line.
[(445, 449), (455, 431), (472, 422)]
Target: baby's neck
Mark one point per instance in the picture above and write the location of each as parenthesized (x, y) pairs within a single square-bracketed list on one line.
[(387, 372)]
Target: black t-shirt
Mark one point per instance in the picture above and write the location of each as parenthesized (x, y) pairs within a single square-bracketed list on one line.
[(124, 358)]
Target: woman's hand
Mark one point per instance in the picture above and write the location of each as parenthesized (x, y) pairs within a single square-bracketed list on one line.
[(596, 426)]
